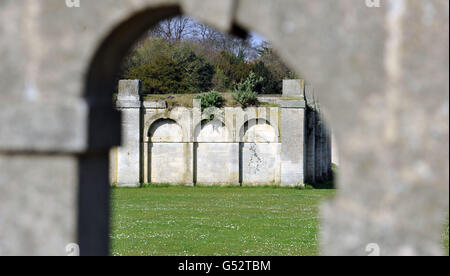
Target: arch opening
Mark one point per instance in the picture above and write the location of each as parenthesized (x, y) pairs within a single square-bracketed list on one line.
[(211, 131), (165, 130), (215, 155), (212, 150)]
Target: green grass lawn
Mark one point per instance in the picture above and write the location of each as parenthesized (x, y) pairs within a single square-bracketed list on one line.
[(215, 221), (203, 221)]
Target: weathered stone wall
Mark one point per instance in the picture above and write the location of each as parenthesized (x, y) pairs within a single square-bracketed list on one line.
[(380, 72), (252, 146)]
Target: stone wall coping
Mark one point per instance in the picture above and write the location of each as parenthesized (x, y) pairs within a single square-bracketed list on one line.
[(43, 126), (128, 104), (155, 104), (293, 104)]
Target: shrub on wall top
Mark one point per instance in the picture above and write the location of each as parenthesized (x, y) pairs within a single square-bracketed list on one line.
[(245, 93), (211, 99)]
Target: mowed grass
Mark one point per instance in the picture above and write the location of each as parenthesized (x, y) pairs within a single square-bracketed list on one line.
[(208, 221)]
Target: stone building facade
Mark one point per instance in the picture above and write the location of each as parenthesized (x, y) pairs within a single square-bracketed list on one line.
[(226, 146)]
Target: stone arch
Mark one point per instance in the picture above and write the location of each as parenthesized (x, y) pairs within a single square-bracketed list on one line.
[(158, 117), (338, 44), (165, 130), (216, 157), (283, 25), (165, 146), (258, 130), (212, 131), (107, 59), (104, 129)]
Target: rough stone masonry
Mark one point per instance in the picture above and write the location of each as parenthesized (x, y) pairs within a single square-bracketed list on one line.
[(249, 147), (380, 74)]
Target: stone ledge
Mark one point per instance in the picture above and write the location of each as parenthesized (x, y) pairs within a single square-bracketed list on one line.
[(155, 104), (128, 104), (293, 104), (53, 127)]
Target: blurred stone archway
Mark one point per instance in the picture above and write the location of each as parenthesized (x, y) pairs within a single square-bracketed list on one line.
[(383, 88)]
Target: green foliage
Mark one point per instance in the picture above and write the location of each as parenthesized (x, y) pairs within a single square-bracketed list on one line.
[(162, 76), (190, 66), (245, 93), (221, 82), (277, 70), (233, 67), (269, 84), (166, 68), (197, 70), (211, 99)]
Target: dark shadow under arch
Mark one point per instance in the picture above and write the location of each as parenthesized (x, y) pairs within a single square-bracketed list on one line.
[(245, 127)]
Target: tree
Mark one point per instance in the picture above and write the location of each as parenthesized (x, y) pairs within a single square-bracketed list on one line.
[(245, 93), (173, 29), (234, 67), (269, 84), (204, 59), (181, 28), (199, 72), (159, 64), (277, 70), (162, 76)]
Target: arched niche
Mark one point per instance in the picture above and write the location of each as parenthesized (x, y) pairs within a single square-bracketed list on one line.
[(216, 157), (211, 131), (165, 130), (258, 131), (168, 158), (260, 153)]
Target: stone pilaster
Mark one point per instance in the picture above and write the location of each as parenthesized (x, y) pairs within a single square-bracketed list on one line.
[(292, 133), (128, 154)]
